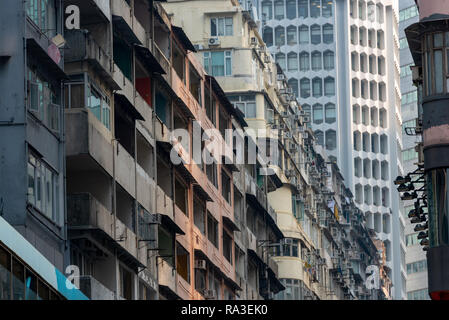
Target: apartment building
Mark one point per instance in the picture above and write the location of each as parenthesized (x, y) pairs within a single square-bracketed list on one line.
[(342, 61), (33, 235), (313, 260), (415, 257)]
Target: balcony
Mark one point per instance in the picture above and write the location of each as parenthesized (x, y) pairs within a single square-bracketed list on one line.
[(94, 290), (125, 170), (84, 212), (84, 48), (125, 21), (167, 276), (87, 136)]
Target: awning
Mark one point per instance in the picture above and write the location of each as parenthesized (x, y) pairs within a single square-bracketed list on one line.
[(231, 224), (182, 37), (123, 27), (45, 61), (148, 59), (15, 242), (128, 106), (169, 223)]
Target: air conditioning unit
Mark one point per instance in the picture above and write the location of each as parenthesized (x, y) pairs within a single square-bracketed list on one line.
[(300, 129), (294, 181), (198, 47), (214, 41), (267, 59), (282, 126), (289, 90), (200, 264), (209, 295), (287, 135), (306, 119), (253, 41), (280, 77), (284, 114), (293, 147), (302, 113)]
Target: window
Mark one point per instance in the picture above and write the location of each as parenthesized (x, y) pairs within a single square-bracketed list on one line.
[(227, 246), (221, 26), (210, 105), (328, 57), (315, 10), (408, 13), (126, 283), (303, 34), (331, 140), (181, 196), (199, 215), (218, 63), (319, 137), (315, 34), (42, 101), (318, 114), (43, 188), (289, 248), (409, 154), (403, 43), (436, 54), (178, 62), (291, 9), (293, 83), (317, 87), (268, 36), (280, 59), (292, 61), (406, 70), (305, 88), (409, 97), (330, 113), (326, 6), (279, 10), (422, 294), (246, 104), (182, 262), (226, 186), (411, 239), (328, 33), (195, 84), (316, 61), (303, 8), (279, 36), (304, 61), (212, 229), (291, 35), (267, 10), (418, 266), (329, 87), (98, 104), (18, 282), (43, 14)]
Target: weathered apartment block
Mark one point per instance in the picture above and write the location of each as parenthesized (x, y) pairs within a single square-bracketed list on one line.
[(327, 248), (96, 116)]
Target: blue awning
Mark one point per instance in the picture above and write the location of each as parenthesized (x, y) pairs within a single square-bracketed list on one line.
[(15, 242)]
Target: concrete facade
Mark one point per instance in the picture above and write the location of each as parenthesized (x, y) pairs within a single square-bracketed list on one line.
[(343, 65)]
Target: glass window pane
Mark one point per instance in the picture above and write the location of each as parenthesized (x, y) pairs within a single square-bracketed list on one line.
[(5, 275), (438, 71), (18, 287)]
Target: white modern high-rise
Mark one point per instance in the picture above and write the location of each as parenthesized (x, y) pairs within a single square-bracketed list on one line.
[(415, 256), (342, 59)]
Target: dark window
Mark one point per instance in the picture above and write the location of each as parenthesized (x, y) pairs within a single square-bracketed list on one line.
[(212, 229)]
